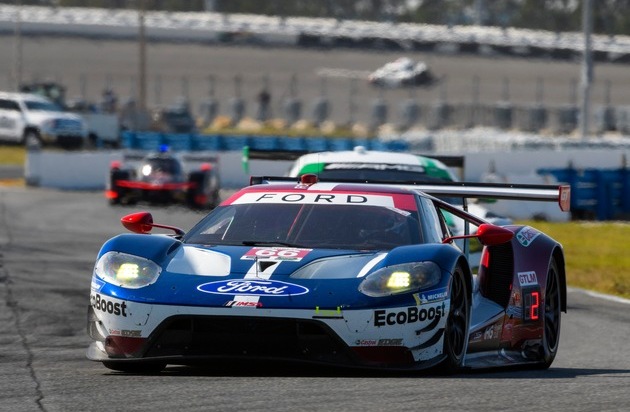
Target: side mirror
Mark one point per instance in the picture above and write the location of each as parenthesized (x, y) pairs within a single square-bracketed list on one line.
[(488, 235), (142, 222), (491, 235)]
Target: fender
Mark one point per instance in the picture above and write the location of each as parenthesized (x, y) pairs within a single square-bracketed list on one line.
[(444, 255), (154, 247)]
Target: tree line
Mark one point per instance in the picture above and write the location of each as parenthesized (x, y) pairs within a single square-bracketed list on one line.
[(609, 16)]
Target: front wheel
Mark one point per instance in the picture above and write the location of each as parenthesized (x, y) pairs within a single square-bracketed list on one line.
[(457, 323), (32, 140)]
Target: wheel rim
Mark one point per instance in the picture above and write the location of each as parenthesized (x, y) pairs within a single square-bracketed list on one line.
[(31, 140), (552, 310), (458, 317)]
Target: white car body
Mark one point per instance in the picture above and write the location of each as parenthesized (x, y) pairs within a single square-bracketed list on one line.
[(33, 120), (401, 72)]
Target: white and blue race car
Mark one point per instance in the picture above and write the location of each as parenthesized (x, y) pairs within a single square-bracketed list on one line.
[(345, 274)]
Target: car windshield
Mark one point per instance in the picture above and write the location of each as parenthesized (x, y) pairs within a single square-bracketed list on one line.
[(37, 105), (163, 165), (382, 174), (309, 226)]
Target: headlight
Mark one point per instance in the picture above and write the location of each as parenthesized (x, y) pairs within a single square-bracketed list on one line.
[(403, 278), (127, 271)]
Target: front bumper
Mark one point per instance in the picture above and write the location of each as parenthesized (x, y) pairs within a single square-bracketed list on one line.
[(125, 331)]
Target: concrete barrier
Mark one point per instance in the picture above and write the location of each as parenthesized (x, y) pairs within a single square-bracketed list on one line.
[(89, 170)]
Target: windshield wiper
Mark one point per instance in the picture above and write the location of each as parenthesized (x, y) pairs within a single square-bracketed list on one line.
[(268, 243)]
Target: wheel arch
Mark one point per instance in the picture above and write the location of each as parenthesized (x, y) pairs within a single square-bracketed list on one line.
[(463, 262), (558, 256)]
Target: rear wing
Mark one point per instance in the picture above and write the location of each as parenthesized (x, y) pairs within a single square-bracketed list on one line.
[(466, 190)]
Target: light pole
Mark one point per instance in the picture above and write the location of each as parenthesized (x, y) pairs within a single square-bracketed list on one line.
[(17, 62), (587, 68), (142, 54)]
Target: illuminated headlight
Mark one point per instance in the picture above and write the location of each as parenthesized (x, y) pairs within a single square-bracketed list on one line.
[(127, 271), (403, 278)]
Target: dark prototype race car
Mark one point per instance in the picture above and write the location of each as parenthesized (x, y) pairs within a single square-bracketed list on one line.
[(348, 274), (162, 177)]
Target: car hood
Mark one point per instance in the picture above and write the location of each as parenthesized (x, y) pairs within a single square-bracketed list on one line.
[(36, 116), (272, 276)]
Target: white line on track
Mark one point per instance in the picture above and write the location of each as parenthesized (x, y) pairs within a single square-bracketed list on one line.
[(345, 73), (604, 296)]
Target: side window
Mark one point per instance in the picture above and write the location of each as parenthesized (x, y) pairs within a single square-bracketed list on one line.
[(435, 229), (6, 104)]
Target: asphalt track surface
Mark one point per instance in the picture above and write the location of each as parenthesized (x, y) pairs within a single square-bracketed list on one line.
[(87, 66), (48, 243)]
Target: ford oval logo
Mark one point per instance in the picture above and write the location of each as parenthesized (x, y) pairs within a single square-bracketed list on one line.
[(252, 288)]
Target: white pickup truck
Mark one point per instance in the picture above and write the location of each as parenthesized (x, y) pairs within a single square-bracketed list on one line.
[(34, 120)]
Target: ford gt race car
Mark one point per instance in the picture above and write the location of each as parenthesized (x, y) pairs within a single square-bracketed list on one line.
[(360, 275), (162, 177)]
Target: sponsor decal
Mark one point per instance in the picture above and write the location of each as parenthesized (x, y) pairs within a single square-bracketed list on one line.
[(97, 284), (410, 315), (100, 303), (476, 336), (527, 278), (235, 303), (328, 313), (316, 198), (431, 295), (491, 332), (390, 342), (126, 333), (276, 254), (246, 287), (526, 235), (379, 342)]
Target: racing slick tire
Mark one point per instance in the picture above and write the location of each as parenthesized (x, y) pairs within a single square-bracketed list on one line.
[(136, 367), (202, 189), (121, 192), (553, 308), (457, 323), (31, 139)]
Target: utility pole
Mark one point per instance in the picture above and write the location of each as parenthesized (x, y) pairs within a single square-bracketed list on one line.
[(587, 67), (142, 69), (17, 63)]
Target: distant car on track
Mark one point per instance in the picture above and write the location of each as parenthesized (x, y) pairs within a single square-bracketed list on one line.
[(402, 72), (164, 177), (345, 274), (383, 166)]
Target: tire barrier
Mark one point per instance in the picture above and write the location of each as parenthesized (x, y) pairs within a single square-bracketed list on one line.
[(141, 140)]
